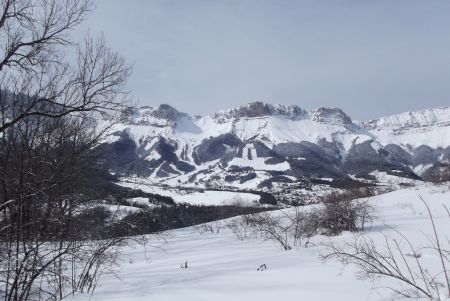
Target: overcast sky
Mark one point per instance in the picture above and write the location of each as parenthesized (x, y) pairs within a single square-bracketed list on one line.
[(370, 58)]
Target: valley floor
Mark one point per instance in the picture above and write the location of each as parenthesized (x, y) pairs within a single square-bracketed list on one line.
[(222, 267)]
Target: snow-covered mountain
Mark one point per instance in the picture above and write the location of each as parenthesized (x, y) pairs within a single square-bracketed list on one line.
[(261, 146)]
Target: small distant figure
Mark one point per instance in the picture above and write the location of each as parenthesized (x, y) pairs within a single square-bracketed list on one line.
[(262, 267), (185, 265)]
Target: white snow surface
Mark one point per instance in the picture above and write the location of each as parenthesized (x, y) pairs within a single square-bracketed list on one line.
[(205, 197), (414, 119), (427, 127), (221, 267), (259, 164)]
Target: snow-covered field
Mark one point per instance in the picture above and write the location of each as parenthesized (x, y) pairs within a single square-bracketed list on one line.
[(221, 267), (205, 197)]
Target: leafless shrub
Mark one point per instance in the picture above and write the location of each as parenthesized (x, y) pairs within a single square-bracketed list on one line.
[(398, 259), (271, 227), (265, 225), (303, 224), (297, 220), (312, 225), (341, 214), (213, 227), (241, 229), (290, 227)]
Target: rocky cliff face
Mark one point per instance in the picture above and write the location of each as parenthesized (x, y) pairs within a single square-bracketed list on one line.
[(164, 115), (260, 109), (331, 116), (262, 145)]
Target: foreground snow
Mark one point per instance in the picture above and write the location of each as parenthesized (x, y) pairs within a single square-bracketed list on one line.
[(221, 267)]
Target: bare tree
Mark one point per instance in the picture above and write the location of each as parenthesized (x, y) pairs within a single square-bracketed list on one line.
[(32, 63), (31, 29), (47, 177), (340, 213), (264, 224), (48, 128)]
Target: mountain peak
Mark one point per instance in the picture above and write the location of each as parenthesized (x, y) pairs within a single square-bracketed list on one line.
[(261, 109), (163, 115), (166, 111), (331, 115)]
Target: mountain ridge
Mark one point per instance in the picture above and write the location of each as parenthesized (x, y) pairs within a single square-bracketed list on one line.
[(261, 109), (266, 147)]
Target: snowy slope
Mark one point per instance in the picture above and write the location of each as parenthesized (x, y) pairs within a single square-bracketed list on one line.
[(427, 127), (221, 267)]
